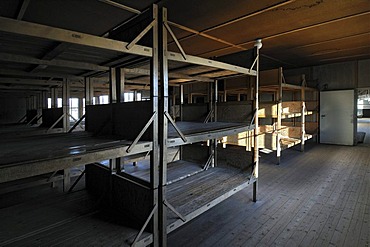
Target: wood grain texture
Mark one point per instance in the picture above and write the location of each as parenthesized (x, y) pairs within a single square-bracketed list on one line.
[(317, 198)]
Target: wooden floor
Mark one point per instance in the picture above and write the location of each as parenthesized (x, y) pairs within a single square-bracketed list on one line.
[(317, 198), (363, 125)]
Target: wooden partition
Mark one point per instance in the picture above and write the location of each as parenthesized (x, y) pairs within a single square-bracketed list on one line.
[(122, 119), (50, 116), (31, 116), (195, 112), (131, 201), (235, 111), (99, 119)]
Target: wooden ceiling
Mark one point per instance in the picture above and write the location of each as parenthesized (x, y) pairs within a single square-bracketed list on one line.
[(295, 33)]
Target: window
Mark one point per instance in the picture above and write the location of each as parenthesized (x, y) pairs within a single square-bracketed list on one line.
[(363, 102), (73, 109), (104, 99)]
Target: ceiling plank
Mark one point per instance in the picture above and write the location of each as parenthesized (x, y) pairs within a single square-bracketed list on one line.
[(11, 72), (202, 33), (53, 53), (8, 80), (195, 33), (60, 63), (251, 42), (330, 41), (23, 9), (121, 6), (24, 87)]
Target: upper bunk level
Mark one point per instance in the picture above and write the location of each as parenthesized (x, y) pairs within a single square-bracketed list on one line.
[(292, 93), (38, 51), (113, 130)]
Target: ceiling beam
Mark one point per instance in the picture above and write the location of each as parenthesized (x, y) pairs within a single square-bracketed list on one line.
[(23, 9), (203, 32), (251, 42), (73, 37), (8, 80), (352, 57), (146, 72), (59, 63), (317, 25), (195, 33), (53, 53), (24, 87), (38, 74), (329, 41), (326, 52), (118, 5), (79, 79), (121, 6)]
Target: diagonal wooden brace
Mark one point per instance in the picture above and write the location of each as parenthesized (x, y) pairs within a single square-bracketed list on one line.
[(132, 43), (175, 126), (132, 145)]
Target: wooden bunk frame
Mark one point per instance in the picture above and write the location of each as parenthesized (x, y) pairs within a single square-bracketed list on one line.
[(61, 151), (289, 111)]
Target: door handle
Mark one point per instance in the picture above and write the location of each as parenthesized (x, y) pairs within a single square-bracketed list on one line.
[(323, 115)]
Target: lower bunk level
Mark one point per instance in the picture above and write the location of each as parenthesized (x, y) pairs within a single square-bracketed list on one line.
[(51, 218), (290, 210), (192, 188)]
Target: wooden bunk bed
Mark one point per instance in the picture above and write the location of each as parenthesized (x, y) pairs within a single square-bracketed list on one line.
[(288, 113), (153, 204), (24, 157), (49, 121), (286, 116)]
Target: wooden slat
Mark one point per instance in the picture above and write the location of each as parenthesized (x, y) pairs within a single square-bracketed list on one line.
[(316, 198)]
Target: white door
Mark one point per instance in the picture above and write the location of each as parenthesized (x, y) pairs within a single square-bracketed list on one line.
[(337, 117)]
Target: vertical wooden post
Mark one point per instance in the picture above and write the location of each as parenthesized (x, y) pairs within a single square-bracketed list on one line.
[(89, 91), (66, 125), (215, 99), (303, 112), (162, 210), (155, 154), (258, 46), (65, 103), (54, 97), (279, 100), (80, 107)]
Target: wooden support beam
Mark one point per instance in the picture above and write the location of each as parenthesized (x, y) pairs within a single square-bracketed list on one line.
[(61, 63), (174, 56), (23, 9), (57, 34), (53, 53), (16, 81)]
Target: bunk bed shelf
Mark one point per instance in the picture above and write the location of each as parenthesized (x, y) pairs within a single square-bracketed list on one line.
[(188, 198), (48, 153), (197, 132), (68, 219)]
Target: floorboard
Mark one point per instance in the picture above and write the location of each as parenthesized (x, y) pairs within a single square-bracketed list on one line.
[(320, 197), (316, 198)]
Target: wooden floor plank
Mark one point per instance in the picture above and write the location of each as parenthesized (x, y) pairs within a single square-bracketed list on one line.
[(282, 231), (317, 198), (302, 202), (299, 204)]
